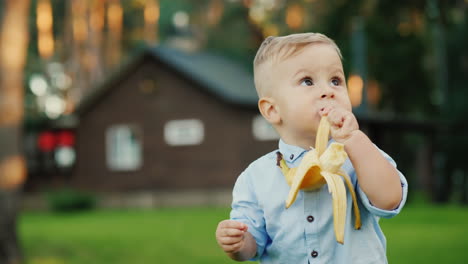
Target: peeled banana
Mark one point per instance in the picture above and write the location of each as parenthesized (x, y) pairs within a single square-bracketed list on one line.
[(322, 166)]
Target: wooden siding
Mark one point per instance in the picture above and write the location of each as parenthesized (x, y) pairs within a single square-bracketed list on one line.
[(227, 149)]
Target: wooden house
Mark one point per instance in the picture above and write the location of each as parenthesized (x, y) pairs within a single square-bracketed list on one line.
[(170, 120)]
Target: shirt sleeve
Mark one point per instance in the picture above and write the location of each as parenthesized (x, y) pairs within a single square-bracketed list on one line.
[(381, 212), (246, 209)]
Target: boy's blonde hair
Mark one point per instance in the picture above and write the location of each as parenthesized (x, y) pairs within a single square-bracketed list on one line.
[(274, 49)]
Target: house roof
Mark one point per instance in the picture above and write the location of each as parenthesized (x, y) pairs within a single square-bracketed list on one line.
[(221, 77)]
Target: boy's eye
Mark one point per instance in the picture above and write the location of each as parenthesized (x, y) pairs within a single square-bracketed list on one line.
[(307, 82), (336, 81)]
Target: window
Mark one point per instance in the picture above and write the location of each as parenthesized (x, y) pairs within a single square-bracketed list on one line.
[(184, 132), (123, 148), (262, 130)]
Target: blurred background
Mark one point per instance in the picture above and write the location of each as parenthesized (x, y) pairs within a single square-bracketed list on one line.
[(125, 123)]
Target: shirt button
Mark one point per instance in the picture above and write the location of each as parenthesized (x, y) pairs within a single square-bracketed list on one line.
[(310, 219), (291, 157), (314, 254)]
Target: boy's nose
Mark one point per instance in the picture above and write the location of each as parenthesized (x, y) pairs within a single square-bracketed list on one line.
[(328, 94)]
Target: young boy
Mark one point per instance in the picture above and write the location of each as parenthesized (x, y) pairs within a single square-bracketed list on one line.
[(300, 78)]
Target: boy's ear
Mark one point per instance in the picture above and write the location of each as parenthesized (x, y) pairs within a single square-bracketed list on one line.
[(269, 110)]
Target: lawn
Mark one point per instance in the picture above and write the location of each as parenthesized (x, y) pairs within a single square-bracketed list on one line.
[(428, 234), (420, 234)]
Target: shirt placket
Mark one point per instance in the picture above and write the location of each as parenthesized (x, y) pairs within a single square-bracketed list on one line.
[(311, 200)]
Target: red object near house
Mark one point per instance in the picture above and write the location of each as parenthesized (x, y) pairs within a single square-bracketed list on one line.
[(65, 138), (46, 141)]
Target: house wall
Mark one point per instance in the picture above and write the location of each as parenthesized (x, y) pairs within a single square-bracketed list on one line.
[(227, 149)]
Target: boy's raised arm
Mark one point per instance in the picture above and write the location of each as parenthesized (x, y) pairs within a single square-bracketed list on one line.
[(377, 177)]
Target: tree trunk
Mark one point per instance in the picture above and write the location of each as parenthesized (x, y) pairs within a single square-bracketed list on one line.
[(9, 246), (13, 49)]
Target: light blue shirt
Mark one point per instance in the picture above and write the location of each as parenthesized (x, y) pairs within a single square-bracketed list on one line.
[(304, 233)]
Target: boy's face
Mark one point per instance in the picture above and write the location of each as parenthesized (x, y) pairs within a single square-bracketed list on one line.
[(304, 85)]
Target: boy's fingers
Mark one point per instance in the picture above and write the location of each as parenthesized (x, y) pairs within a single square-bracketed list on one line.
[(233, 232), (234, 247), (229, 232), (335, 118), (350, 123), (230, 240), (332, 118), (340, 118), (233, 224)]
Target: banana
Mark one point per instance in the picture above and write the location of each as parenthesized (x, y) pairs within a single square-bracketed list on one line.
[(321, 139), (322, 166)]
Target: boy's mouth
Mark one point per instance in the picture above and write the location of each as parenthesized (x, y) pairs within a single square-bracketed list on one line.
[(325, 110)]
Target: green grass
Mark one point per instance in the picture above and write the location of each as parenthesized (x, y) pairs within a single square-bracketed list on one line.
[(420, 234), (427, 234), (136, 236)]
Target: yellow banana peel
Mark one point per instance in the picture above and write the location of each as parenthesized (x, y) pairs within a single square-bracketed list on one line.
[(322, 166)]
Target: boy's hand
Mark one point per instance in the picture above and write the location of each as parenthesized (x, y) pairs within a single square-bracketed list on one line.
[(343, 124), (230, 235)]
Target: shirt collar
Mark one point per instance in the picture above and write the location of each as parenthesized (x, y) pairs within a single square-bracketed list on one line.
[(290, 152)]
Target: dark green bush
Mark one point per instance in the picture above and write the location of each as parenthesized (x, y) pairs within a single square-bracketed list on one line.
[(69, 200)]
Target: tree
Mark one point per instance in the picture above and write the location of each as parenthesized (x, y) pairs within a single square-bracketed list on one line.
[(13, 50)]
